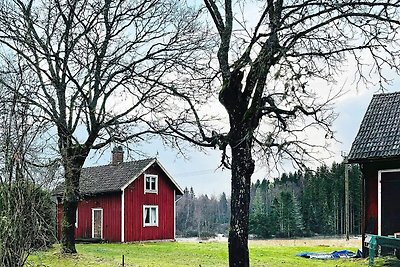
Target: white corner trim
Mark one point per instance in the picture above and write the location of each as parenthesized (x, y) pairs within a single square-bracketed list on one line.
[(380, 197), (76, 219), (123, 216), (174, 215), (102, 226), (379, 201), (139, 173)]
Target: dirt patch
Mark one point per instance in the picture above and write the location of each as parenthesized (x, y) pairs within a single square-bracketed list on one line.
[(297, 242), (312, 242)]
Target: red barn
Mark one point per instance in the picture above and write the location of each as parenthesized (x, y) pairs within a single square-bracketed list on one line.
[(377, 149), (125, 201)]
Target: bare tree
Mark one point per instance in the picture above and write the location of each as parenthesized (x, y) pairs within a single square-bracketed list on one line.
[(269, 66), (97, 67), (26, 213)]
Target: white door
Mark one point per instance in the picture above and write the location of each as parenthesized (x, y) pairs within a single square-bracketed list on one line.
[(97, 223)]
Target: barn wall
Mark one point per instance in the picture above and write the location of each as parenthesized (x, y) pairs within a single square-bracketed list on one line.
[(111, 205), (135, 198), (370, 171), (371, 213), (370, 198)]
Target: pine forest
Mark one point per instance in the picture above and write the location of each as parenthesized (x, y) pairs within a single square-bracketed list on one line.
[(308, 203)]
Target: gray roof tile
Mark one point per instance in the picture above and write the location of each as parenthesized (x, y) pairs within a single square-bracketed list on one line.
[(108, 178), (379, 133)]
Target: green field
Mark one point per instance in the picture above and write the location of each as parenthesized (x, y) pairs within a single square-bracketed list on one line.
[(192, 254)]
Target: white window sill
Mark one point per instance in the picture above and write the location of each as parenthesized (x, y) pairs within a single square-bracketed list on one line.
[(151, 225)]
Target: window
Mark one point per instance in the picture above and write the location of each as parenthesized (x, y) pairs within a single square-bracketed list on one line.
[(150, 215), (150, 184)]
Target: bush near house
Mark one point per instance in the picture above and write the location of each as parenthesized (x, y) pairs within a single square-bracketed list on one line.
[(27, 221)]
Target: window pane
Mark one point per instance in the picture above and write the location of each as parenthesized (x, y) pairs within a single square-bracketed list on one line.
[(153, 216), (147, 183), (153, 183), (147, 215)]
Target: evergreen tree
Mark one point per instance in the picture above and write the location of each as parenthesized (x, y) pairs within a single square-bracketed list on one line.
[(258, 217), (223, 209), (297, 224), (297, 204), (274, 217)]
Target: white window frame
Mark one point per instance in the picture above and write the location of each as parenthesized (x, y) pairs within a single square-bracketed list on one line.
[(154, 191), (380, 197), (102, 221), (144, 215)]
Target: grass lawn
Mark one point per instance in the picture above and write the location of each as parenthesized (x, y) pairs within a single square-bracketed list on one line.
[(196, 254)]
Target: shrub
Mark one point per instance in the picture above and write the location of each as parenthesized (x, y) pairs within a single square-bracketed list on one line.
[(27, 221)]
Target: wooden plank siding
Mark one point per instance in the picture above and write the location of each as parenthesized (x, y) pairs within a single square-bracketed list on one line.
[(372, 203), (370, 171), (135, 198), (111, 205), (370, 174)]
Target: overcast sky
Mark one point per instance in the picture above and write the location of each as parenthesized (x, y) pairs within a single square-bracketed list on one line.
[(200, 170)]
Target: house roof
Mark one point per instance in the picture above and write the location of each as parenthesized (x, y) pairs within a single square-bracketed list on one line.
[(113, 178), (379, 133)]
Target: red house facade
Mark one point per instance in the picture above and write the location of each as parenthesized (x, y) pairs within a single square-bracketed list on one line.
[(125, 201), (376, 149)]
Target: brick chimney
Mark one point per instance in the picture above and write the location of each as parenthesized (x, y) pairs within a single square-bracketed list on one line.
[(117, 155)]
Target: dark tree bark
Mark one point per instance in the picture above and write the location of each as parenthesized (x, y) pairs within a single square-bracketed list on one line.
[(266, 68), (242, 169), (73, 160), (68, 223)]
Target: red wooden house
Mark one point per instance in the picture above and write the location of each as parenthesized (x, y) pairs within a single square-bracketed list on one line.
[(125, 201), (377, 149)]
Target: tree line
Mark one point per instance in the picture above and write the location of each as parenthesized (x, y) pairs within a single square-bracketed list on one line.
[(202, 216), (296, 204)]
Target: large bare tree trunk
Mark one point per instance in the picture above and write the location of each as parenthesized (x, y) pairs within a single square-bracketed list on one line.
[(72, 167), (242, 169), (68, 224)]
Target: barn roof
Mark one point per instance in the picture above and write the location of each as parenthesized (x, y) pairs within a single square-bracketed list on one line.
[(379, 133), (113, 178)]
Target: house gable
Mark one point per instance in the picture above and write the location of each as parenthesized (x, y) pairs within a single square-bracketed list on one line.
[(164, 200), (146, 169)]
